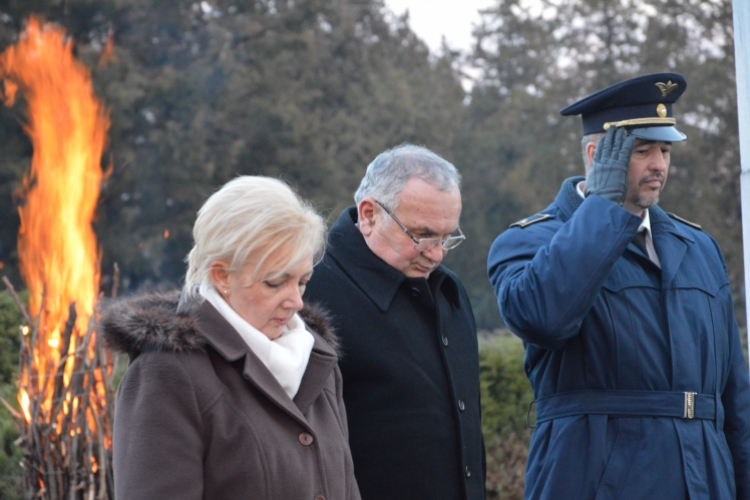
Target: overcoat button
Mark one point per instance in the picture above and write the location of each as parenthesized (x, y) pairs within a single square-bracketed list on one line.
[(415, 292), (467, 471), (445, 341), (305, 439), (320, 497), (461, 405)]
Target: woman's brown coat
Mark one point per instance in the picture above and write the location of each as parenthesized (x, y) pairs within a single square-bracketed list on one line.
[(198, 416)]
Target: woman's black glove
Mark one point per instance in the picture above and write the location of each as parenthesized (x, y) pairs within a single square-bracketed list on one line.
[(609, 173)]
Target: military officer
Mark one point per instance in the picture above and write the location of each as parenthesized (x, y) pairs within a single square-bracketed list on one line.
[(632, 347)]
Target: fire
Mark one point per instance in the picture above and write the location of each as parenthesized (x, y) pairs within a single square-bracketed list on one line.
[(64, 381), (68, 128), (108, 53), (23, 398), (10, 92)]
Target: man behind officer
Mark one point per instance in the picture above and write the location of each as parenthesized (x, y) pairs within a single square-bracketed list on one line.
[(410, 363), (632, 348)]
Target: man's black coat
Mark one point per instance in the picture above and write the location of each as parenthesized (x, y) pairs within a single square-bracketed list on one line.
[(410, 369)]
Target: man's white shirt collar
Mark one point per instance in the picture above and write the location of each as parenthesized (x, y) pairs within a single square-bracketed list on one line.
[(645, 226)]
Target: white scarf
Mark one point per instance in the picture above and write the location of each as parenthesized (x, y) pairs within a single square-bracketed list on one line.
[(285, 357)]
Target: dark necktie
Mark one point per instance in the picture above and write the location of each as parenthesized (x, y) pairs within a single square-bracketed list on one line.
[(640, 241)]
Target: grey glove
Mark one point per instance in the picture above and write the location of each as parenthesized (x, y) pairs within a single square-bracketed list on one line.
[(609, 173)]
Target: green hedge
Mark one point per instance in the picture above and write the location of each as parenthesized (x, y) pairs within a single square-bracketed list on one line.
[(10, 455), (506, 395)]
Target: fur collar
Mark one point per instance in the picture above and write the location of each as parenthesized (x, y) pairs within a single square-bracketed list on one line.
[(151, 323)]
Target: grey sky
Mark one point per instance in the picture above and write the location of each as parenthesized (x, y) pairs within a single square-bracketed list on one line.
[(432, 19)]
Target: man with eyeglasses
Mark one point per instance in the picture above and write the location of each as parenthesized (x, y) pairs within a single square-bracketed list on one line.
[(409, 363)]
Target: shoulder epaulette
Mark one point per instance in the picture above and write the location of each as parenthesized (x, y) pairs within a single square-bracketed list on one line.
[(531, 220), (691, 224)]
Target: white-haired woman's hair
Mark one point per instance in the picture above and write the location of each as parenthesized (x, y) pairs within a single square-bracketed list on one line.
[(387, 174), (252, 217)]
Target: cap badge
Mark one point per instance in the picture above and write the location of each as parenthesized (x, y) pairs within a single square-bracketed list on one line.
[(666, 88), (661, 110)]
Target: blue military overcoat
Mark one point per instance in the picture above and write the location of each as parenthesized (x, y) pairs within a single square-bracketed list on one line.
[(640, 382)]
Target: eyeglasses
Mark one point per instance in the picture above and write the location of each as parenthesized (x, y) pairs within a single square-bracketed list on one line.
[(427, 244)]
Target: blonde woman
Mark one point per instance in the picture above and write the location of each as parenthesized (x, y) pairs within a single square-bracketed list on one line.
[(233, 389)]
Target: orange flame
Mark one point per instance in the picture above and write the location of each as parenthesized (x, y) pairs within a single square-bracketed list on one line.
[(56, 246), (10, 92), (108, 54), (23, 399)]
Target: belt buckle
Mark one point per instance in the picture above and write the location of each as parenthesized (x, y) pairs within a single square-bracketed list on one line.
[(689, 411)]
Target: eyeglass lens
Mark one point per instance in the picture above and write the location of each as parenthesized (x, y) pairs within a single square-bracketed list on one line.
[(427, 244)]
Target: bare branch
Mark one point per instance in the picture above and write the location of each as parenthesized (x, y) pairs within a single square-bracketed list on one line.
[(17, 300)]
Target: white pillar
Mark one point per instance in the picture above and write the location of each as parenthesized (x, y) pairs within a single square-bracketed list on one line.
[(741, 11)]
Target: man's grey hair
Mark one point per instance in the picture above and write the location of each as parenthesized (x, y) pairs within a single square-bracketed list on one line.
[(387, 174), (595, 138)]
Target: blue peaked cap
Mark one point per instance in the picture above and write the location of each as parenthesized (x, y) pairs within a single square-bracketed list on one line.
[(643, 105)]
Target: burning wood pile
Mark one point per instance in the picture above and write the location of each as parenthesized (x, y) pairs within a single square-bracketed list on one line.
[(65, 388), (66, 418)]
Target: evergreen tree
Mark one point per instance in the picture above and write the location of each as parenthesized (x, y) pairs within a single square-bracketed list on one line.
[(310, 91)]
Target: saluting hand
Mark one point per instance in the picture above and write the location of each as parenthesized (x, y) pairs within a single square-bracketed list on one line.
[(609, 172)]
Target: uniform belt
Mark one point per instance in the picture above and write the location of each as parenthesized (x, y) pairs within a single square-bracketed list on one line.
[(627, 404)]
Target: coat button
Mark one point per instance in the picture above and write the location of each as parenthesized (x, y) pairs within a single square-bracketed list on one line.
[(461, 405), (467, 471), (445, 341), (415, 292), (305, 439), (320, 497)]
